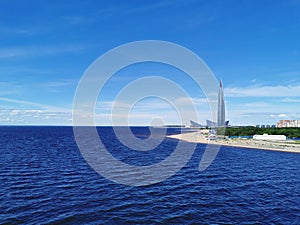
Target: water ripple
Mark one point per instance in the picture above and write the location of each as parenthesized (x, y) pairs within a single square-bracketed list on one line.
[(45, 180)]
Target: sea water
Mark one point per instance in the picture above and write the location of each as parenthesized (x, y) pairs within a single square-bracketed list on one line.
[(45, 180)]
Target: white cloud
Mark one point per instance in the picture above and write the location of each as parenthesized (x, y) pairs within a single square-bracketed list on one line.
[(269, 111), (152, 103), (264, 91), (61, 83), (19, 31), (290, 100), (8, 88), (31, 116), (26, 112), (38, 105), (282, 115), (154, 6), (195, 101), (144, 111), (34, 51)]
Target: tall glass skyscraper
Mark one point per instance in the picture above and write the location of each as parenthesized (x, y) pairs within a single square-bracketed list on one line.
[(220, 113), (221, 107)]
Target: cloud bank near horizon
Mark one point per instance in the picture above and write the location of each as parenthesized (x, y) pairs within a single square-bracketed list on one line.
[(238, 111)]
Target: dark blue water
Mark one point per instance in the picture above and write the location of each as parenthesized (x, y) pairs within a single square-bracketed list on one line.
[(45, 180)]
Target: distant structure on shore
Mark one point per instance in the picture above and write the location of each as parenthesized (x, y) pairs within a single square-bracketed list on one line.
[(266, 137), (266, 126), (288, 123), (220, 116)]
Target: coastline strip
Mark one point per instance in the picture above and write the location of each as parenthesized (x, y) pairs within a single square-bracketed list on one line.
[(197, 137)]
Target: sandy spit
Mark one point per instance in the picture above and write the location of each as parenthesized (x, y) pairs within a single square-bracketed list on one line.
[(197, 137)]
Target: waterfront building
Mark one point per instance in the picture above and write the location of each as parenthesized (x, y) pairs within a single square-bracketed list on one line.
[(266, 137), (195, 124), (288, 123)]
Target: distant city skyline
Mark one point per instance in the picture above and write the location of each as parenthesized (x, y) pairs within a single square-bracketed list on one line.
[(288, 123), (45, 47)]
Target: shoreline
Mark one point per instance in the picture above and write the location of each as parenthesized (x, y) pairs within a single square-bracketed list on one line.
[(197, 137)]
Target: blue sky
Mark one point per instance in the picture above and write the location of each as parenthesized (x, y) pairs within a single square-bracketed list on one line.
[(45, 47)]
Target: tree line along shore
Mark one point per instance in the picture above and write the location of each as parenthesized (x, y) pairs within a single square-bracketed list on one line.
[(289, 132)]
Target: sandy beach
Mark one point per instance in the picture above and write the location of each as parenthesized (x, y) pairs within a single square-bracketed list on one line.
[(197, 137)]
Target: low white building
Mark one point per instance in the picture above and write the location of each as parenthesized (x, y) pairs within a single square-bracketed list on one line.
[(267, 137)]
